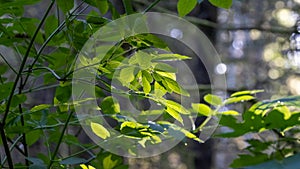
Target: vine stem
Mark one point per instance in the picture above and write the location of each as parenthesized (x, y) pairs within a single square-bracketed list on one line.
[(2, 124)]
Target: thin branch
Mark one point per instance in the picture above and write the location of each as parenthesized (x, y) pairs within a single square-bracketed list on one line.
[(6, 62), (151, 6), (60, 140)]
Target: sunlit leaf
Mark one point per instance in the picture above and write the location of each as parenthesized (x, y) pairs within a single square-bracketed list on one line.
[(100, 130), (169, 57), (176, 106), (166, 74), (285, 111), (237, 99), (127, 74), (130, 124), (247, 92), (146, 85), (174, 114), (174, 86), (230, 112), (143, 59), (202, 109), (213, 99), (83, 166), (108, 163), (147, 75)]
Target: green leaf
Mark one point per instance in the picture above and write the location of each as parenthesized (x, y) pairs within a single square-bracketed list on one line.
[(130, 124), (146, 85), (285, 111), (159, 90), (176, 106), (291, 162), (51, 23), (179, 132), (165, 68), (143, 59), (103, 6), (65, 5), (37, 163), (185, 6), (128, 6), (164, 74), (33, 136), (202, 109), (18, 99), (247, 92), (239, 99), (174, 86), (230, 112), (83, 166), (127, 75), (109, 105), (169, 57), (100, 130), (213, 99), (5, 90), (247, 160), (63, 93), (147, 75), (108, 163), (174, 114), (221, 3), (94, 18), (191, 135), (3, 69), (40, 107)]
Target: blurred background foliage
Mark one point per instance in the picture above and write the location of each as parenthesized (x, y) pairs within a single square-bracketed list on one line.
[(253, 38)]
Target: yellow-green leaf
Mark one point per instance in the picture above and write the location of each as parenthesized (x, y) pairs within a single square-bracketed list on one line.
[(239, 99), (100, 130), (246, 92), (174, 114), (230, 112), (213, 99), (176, 106), (83, 166), (108, 163), (130, 124), (173, 85), (146, 85), (202, 109), (127, 74)]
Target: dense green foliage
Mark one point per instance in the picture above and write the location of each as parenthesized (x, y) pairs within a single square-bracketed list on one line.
[(47, 49)]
